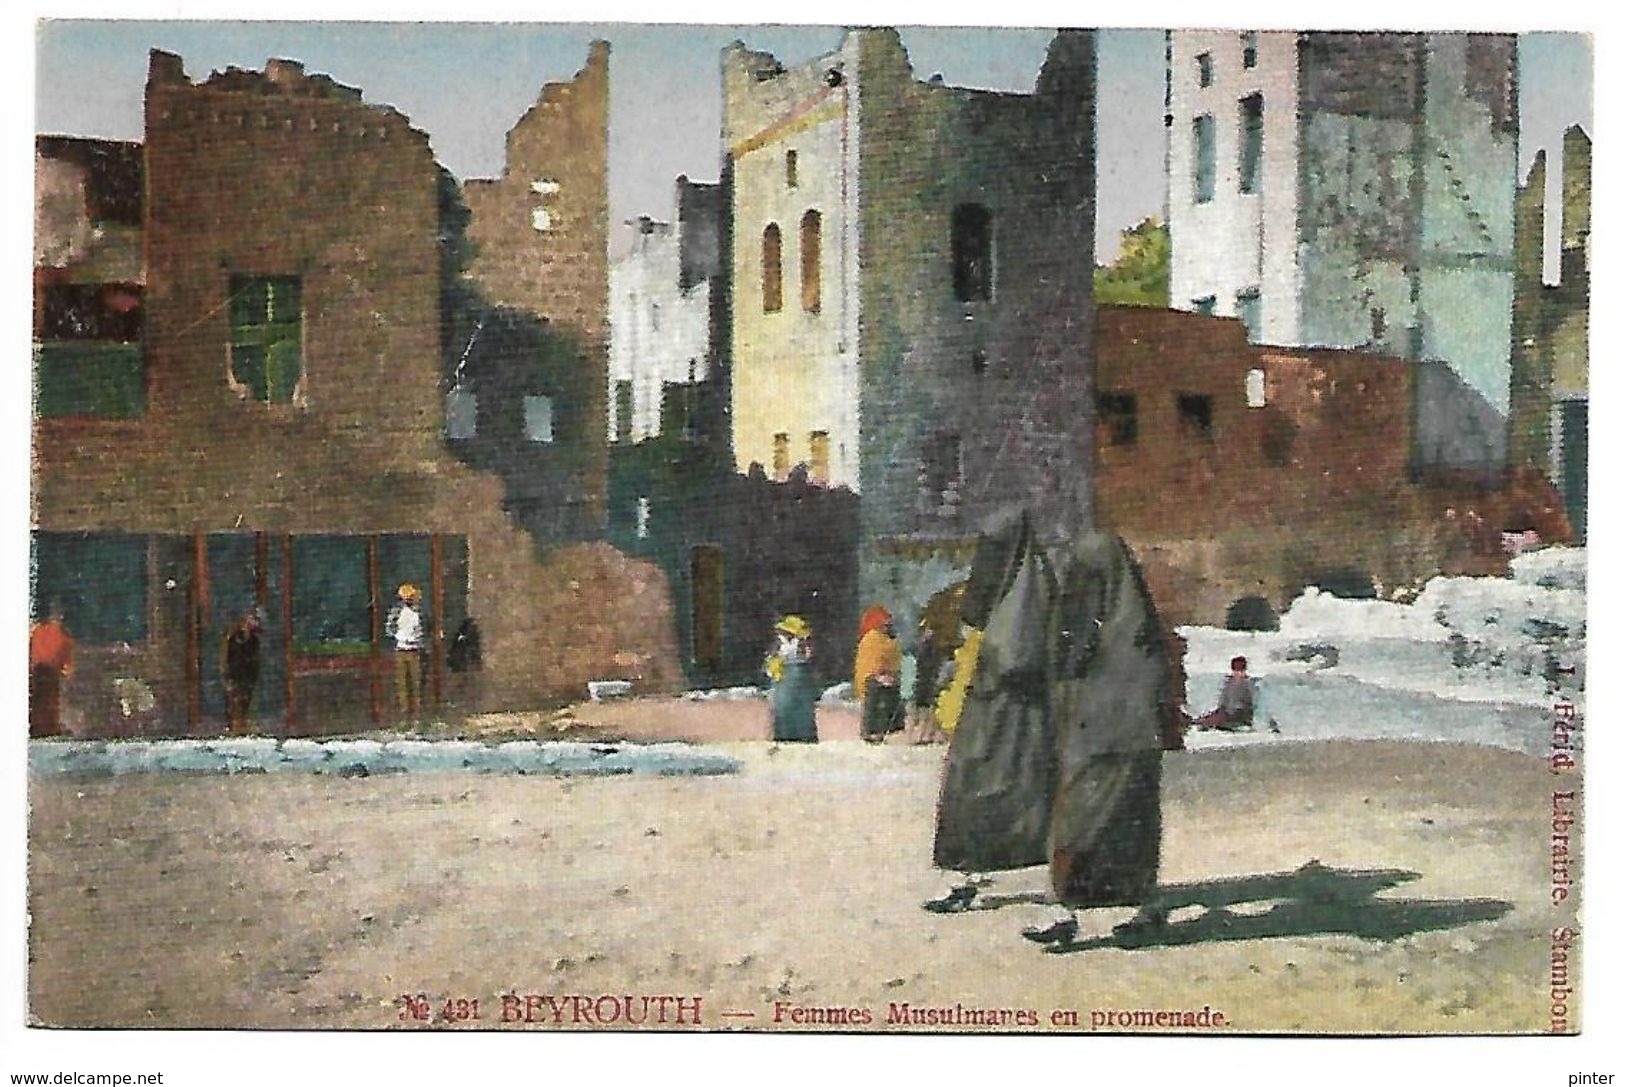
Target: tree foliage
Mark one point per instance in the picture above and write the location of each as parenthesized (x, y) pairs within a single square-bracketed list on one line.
[(1139, 275)]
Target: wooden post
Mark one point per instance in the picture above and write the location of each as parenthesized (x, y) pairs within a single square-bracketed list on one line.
[(290, 714), (198, 609), (437, 630), (375, 615)]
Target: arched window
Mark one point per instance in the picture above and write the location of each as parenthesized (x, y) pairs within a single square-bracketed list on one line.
[(811, 251), (772, 270), (972, 245)]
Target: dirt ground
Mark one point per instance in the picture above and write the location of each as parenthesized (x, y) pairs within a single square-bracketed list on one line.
[(292, 900)]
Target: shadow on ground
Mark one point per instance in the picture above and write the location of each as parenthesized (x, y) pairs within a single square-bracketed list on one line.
[(1314, 900)]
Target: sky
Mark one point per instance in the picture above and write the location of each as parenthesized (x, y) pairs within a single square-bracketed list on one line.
[(465, 84)]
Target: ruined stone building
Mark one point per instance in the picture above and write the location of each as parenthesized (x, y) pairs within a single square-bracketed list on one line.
[(1355, 190), (738, 550), (911, 295), (266, 427), (1241, 473), (1551, 327), (88, 277), (539, 241), (661, 311)]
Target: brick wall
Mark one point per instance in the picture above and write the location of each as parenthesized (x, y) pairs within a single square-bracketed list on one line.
[(1312, 481), (541, 239), (278, 173)]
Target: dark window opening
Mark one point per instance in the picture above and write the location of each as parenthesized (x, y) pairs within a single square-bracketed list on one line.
[(941, 476), (267, 335), (332, 600), (781, 457), (1117, 415), (623, 411), (1204, 69), (818, 456), (972, 249), (76, 311), (99, 581), (1249, 49), (791, 176), (772, 269), (1247, 309), (1345, 582), (1252, 141), (1196, 415), (1251, 613), (1205, 305), (811, 253), (677, 409), (1202, 152)]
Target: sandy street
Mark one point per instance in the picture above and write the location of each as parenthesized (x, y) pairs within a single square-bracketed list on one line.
[(295, 900)]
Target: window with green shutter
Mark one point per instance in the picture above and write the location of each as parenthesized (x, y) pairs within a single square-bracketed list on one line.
[(267, 336), (87, 351), (89, 378)]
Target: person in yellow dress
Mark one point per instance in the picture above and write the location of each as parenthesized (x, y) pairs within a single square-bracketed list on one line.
[(962, 671)]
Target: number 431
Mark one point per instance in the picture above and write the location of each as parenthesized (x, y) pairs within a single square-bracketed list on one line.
[(460, 1011)]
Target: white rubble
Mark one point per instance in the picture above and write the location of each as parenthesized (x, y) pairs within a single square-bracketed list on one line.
[(725, 694), (838, 695), (600, 689), (1479, 660)]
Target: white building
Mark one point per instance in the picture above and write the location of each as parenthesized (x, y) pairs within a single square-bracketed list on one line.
[(659, 330), (1354, 190)]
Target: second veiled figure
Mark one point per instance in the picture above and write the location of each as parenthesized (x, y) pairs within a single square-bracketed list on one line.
[(1057, 757)]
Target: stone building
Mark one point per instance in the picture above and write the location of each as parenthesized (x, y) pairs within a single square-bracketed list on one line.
[(662, 358), (738, 550), (911, 294), (1355, 190), (287, 452), (1551, 326), (539, 236)]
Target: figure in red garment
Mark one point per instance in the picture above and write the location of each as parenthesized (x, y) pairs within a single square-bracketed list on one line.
[(50, 663)]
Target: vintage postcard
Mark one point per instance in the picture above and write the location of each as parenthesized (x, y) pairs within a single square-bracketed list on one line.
[(790, 528)]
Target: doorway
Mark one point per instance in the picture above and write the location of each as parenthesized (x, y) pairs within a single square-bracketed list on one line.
[(705, 606)]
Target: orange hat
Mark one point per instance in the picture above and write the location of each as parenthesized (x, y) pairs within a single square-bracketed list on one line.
[(874, 618), (410, 593)]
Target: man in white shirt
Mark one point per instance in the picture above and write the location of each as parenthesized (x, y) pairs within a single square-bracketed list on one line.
[(405, 629)]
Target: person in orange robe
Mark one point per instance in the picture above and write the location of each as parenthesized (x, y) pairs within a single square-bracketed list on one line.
[(877, 675), (50, 662)]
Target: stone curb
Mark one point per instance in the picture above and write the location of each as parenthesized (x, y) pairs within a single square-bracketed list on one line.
[(363, 758)]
